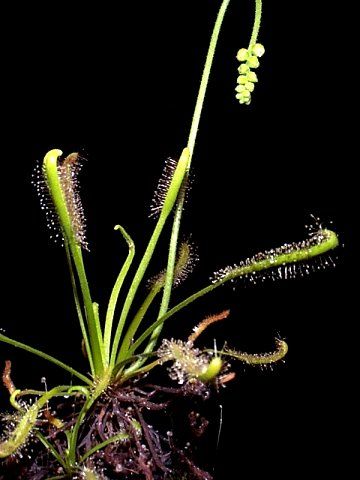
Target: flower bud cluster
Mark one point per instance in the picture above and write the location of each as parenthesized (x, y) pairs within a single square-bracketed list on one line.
[(247, 78)]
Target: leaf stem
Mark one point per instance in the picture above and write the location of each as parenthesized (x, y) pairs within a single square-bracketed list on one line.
[(134, 325), (78, 310), (99, 446), (170, 313), (116, 290), (39, 353), (96, 339), (51, 448), (73, 437), (134, 287)]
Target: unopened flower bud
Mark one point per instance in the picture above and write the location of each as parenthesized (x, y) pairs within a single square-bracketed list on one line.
[(249, 86), (243, 68), (258, 50), (242, 55), (242, 79), (245, 101), (240, 88), (253, 61), (252, 77), (246, 94)]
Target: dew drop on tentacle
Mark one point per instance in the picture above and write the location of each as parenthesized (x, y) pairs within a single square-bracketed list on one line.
[(68, 171), (46, 204), (286, 262), (163, 185), (161, 190)]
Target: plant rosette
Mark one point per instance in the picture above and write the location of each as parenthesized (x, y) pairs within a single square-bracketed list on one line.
[(124, 419)]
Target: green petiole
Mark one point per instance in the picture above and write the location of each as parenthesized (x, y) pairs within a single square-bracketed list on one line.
[(45, 356), (116, 290)]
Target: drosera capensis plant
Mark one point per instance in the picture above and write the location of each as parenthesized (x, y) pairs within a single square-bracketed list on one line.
[(98, 428)]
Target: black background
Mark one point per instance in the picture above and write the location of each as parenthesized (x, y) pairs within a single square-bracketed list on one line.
[(119, 83)]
